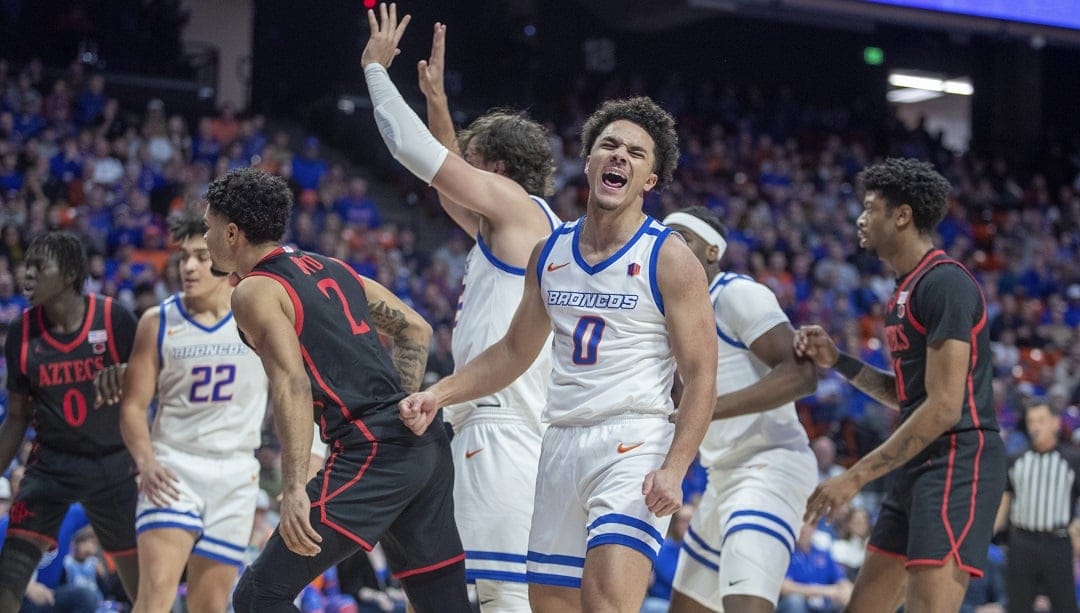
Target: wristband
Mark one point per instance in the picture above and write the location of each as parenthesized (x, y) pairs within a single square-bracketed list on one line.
[(848, 366)]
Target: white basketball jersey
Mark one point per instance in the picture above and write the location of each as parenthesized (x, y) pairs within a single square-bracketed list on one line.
[(489, 297), (610, 356), (212, 389), (744, 310)]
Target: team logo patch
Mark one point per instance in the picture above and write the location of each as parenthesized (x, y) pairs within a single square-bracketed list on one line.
[(99, 348), (633, 270)]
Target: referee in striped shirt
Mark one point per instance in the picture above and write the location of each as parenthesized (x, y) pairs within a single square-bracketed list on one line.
[(1040, 495)]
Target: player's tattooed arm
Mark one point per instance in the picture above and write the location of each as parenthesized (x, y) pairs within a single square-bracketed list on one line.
[(877, 384), (409, 355)]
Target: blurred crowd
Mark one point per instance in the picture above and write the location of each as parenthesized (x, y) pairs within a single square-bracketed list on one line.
[(780, 174)]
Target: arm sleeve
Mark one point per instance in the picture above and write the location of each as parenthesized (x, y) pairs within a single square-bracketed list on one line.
[(948, 303), (17, 381), (747, 310)]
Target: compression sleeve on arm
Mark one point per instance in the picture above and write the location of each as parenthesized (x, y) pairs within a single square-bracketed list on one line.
[(407, 138)]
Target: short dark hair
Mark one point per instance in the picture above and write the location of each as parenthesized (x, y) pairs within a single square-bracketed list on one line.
[(66, 250), (1039, 402), (258, 203), (911, 182), (186, 225), (651, 117), (520, 142), (708, 217)]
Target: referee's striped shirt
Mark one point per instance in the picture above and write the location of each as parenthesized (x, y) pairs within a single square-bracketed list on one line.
[(1044, 488)]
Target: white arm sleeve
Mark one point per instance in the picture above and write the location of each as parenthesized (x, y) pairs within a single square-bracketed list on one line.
[(407, 138)]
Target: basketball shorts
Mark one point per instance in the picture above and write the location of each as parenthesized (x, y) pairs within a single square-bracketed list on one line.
[(217, 501), (588, 493), (105, 485), (943, 502), (495, 463), (743, 532)]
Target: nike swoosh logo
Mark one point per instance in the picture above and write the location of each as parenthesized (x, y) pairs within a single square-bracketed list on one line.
[(734, 582), (469, 454), (623, 447), (553, 267)]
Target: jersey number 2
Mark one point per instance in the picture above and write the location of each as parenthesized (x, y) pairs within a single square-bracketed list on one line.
[(328, 285), (587, 339), (205, 375)]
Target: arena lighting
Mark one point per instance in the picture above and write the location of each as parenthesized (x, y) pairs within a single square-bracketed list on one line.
[(961, 87), (909, 95)]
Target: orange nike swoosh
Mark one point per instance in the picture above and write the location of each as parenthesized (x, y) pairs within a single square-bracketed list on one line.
[(469, 454), (553, 267), (623, 447)]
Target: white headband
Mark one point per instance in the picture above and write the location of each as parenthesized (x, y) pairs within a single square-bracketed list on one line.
[(700, 227)]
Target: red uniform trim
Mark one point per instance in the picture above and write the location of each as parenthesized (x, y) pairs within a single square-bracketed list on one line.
[(355, 274), (298, 307), (911, 277), (16, 532), (124, 552), (427, 569), (88, 320), (25, 340), (891, 554)]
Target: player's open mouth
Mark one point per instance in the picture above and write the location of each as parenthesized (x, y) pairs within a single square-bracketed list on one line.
[(613, 179)]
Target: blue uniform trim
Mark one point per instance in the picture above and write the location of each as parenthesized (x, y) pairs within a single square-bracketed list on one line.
[(764, 515), (548, 246), (191, 320), (221, 543), (694, 536), (727, 339), (161, 333), (495, 555), (169, 511), (540, 202), (612, 538), (156, 525), (496, 262), (700, 559), (471, 576), (762, 529), (217, 557), (592, 270), (654, 256), (627, 520), (544, 558), (556, 580)]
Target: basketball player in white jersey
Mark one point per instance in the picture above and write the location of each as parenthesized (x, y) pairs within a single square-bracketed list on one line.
[(198, 477), (761, 468), (494, 194), (627, 304)]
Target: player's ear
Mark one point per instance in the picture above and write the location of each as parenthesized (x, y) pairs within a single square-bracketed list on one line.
[(587, 159)]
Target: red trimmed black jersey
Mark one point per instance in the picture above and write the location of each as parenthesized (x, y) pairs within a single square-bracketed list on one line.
[(56, 371), (940, 300), (354, 385)]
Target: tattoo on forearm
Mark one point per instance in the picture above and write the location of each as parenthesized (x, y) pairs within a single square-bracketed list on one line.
[(911, 445), (387, 320), (879, 385), (410, 359)]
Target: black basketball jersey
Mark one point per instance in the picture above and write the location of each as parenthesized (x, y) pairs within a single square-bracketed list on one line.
[(940, 300), (56, 371), (354, 386)]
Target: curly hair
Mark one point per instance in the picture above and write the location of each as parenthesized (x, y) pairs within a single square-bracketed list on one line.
[(186, 225), (644, 112), (911, 182), (258, 203), (510, 136), (66, 250)]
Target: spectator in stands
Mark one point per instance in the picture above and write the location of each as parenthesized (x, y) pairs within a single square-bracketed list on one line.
[(309, 167), (815, 583)]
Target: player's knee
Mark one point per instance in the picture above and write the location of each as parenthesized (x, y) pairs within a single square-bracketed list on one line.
[(503, 596), (18, 560), (441, 590)]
